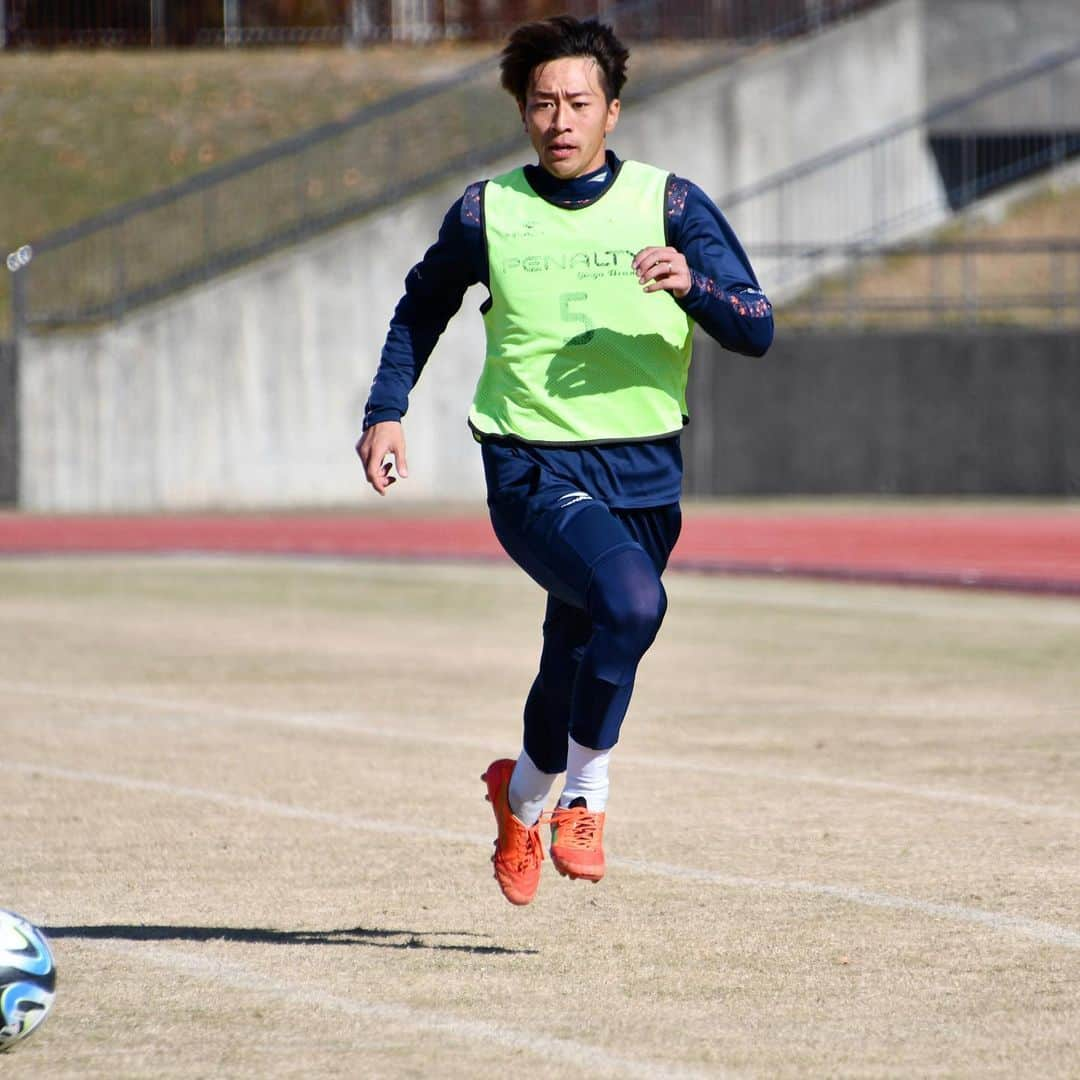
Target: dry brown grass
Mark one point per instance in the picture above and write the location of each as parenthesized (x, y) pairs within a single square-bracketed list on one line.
[(244, 796), (978, 285)]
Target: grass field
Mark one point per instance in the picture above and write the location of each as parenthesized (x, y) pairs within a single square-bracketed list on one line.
[(843, 833)]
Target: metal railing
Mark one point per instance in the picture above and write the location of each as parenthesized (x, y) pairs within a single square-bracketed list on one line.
[(112, 23), (965, 282), (220, 219), (226, 216), (893, 184)]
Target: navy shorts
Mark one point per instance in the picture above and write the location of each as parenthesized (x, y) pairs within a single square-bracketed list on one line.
[(558, 534)]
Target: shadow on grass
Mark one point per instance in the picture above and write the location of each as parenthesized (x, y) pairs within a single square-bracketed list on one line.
[(357, 935)]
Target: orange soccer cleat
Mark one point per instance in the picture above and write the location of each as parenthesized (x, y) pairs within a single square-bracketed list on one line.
[(577, 841), (519, 850)]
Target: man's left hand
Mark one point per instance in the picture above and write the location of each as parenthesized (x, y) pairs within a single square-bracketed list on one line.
[(662, 268)]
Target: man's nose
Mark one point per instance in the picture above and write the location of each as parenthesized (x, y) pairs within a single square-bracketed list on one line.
[(563, 112)]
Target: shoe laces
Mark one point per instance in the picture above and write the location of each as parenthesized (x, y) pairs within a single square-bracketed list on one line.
[(577, 828), (527, 851)]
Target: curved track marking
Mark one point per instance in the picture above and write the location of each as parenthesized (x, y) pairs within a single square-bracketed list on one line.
[(1043, 932)]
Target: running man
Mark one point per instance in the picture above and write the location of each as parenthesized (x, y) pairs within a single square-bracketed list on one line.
[(597, 270)]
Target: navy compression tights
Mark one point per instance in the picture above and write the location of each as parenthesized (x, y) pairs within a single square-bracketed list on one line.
[(590, 658)]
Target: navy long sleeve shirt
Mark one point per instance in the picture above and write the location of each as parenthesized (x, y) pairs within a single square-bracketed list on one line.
[(725, 300)]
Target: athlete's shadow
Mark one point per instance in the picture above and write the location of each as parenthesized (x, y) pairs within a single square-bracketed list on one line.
[(358, 935), (609, 364)]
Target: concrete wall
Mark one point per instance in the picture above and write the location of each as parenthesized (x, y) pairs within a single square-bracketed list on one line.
[(981, 413), (730, 131), (968, 41), (9, 424), (249, 391)]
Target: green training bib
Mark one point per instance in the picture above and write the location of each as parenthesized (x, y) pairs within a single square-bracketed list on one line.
[(576, 352)]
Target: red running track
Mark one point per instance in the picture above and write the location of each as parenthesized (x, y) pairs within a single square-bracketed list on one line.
[(1028, 551)]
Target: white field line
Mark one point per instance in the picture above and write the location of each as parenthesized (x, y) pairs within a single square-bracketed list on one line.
[(578, 1056), (1048, 933), (342, 721), (357, 725), (884, 787), (1044, 932)]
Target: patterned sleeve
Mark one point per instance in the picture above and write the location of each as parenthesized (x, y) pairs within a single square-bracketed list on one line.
[(725, 299)]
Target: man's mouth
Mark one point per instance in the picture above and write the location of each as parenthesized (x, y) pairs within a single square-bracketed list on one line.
[(561, 149)]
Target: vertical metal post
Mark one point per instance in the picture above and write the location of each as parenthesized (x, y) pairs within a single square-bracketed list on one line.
[(967, 170), (1058, 271), (230, 13), (854, 265), (119, 303), (971, 286), (3, 24), (875, 192), (158, 34), (1057, 117), (19, 264), (360, 23), (781, 217), (18, 301), (937, 285), (208, 226)]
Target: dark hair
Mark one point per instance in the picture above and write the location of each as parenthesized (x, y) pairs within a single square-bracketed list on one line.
[(536, 43)]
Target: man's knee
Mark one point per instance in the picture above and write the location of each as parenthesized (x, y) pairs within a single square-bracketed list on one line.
[(627, 600)]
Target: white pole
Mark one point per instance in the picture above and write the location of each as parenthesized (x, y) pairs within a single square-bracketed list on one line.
[(231, 18), (411, 20), (361, 24)]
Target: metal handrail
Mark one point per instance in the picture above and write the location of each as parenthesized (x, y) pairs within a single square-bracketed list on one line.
[(96, 298), (943, 109), (246, 163), (290, 145), (837, 295), (1038, 245)]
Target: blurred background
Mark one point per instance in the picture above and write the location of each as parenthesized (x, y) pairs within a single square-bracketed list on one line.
[(208, 209)]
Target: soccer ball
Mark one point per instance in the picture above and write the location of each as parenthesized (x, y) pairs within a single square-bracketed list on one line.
[(27, 978)]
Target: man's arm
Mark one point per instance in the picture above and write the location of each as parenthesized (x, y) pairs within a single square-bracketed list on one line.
[(434, 289), (712, 279)]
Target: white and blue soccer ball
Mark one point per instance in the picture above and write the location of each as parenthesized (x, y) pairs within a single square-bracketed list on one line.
[(27, 978)]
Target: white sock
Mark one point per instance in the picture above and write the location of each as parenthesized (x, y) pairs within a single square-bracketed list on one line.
[(529, 789), (586, 776)]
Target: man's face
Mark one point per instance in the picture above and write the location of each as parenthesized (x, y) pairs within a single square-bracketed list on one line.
[(568, 117)]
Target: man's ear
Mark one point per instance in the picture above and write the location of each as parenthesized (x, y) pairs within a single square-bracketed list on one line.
[(521, 113), (612, 116)]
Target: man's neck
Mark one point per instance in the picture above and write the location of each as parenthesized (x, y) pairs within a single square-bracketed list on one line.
[(576, 190)]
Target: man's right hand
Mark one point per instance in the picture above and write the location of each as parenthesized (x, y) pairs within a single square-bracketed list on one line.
[(377, 446)]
